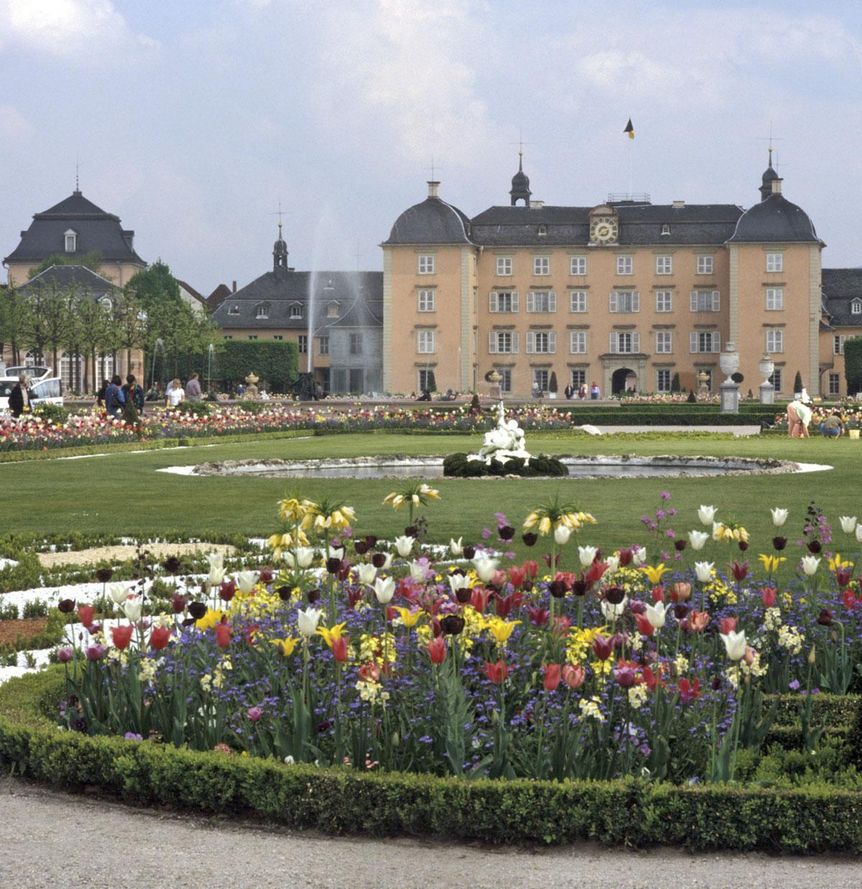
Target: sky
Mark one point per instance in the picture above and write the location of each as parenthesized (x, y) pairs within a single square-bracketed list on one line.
[(194, 120)]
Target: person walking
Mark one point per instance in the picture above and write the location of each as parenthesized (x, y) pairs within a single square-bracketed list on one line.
[(799, 416), (115, 398), (193, 388), (595, 392), (19, 397), (134, 398), (175, 394)]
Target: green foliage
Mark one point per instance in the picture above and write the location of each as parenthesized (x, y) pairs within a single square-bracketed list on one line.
[(155, 286), (196, 408), (55, 413), (25, 575), (91, 261), (458, 466), (853, 364), (797, 382), (274, 362), (674, 383)]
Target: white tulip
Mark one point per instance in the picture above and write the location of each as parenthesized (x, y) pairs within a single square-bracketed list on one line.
[(417, 571), (387, 562), (118, 592), (859, 533), (216, 572), (335, 552), (638, 555), (304, 556), (848, 523), (485, 567), (809, 565), (215, 560), (734, 644), (562, 533), (404, 546), (457, 582), (384, 589), (306, 621), (613, 563), (245, 580), (610, 611), (655, 614), (366, 574), (587, 555), (706, 514), (456, 547), (704, 570), (132, 609), (779, 516), (697, 539)]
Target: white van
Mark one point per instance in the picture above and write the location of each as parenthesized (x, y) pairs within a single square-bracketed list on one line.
[(44, 387)]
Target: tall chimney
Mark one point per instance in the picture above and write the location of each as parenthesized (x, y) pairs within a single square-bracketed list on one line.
[(776, 185), (433, 185), (233, 288)]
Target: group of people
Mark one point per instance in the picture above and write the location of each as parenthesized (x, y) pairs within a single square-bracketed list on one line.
[(800, 414), (582, 392), (127, 399)]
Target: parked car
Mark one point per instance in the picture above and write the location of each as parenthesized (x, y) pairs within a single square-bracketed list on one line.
[(45, 388)]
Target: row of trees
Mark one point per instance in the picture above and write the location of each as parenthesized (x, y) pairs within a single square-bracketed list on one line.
[(148, 314)]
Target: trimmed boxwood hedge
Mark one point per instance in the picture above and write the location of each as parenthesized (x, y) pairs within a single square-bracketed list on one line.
[(632, 812), (541, 465)]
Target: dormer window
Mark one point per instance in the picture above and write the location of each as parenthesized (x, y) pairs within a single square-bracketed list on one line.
[(665, 230), (543, 230), (106, 304), (71, 240), (332, 310), (856, 307), (262, 310), (233, 310), (296, 311)]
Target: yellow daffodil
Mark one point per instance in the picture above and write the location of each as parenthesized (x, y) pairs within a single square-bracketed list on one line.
[(330, 634), (501, 629), (654, 573), (836, 563), (285, 646), (409, 618), (771, 563)]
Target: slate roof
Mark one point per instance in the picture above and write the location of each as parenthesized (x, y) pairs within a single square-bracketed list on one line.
[(97, 231), (69, 277), (218, 296), (639, 224), (774, 220), (840, 288), (284, 289), (431, 222)]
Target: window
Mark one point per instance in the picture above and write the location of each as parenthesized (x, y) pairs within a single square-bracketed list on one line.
[(579, 377), (775, 379), (625, 301), (502, 342), (834, 384), (323, 345), (262, 311), (541, 342), (296, 311), (663, 379), (425, 264), (425, 342), (426, 302), (71, 240), (106, 304), (503, 301), (856, 307), (838, 345), (665, 230), (505, 378), (277, 336), (774, 262), (355, 343), (664, 265), (543, 230), (774, 299), (705, 265), (504, 265), (233, 310), (625, 265), (427, 383), (774, 339), (578, 301), (252, 336), (664, 300), (540, 378), (704, 341), (228, 336), (664, 342), (625, 342), (578, 265), (541, 301), (332, 310), (302, 341), (541, 265), (705, 301), (577, 342)]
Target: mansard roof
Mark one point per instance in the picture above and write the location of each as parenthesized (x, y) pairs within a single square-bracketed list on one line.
[(71, 277), (431, 222), (840, 288), (774, 220)]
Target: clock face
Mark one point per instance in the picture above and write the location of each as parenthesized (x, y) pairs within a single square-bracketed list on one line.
[(604, 230)]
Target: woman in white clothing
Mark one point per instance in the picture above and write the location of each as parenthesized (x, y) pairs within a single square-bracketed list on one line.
[(175, 394)]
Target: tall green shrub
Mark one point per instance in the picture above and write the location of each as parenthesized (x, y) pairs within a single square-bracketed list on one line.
[(274, 362), (853, 364)]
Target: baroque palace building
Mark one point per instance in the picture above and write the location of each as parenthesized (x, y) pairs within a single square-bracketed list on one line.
[(626, 294)]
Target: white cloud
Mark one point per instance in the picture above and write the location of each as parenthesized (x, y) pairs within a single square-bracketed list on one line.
[(88, 31)]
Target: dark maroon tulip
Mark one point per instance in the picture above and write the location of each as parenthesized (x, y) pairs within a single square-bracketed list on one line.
[(825, 618), (313, 596), (361, 547), (371, 540), (172, 565), (411, 531), (66, 606), (506, 532), (103, 575), (579, 587), (378, 560), (557, 588), (814, 546), (451, 624), (284, 592), (463, 595), (779, 543), (680, 544), (333, 565), (227, 590), (469, 551), (266, 575), (178, 603), (615, 594), (743, 545), (197, 610), (716, 683), (680, 610), (603, 648), (529, 538)]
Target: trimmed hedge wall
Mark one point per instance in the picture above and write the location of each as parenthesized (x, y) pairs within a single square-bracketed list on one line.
[(638, 813)]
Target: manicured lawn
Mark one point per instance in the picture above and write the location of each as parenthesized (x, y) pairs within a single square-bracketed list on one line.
[(123, 493)]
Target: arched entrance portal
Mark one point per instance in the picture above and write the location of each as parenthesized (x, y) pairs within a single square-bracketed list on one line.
[(623, 379)]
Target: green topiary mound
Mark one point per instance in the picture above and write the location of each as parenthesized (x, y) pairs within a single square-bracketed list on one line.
[(458, 466)]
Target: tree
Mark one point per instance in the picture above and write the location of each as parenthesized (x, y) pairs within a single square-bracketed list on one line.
[(45, 318), (129, 323), (10, 322), (674, 383), (853, 364), (90, 334), (552, 383), (155, 286), (797, 382)]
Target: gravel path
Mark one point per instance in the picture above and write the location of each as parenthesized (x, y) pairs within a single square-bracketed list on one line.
[(52, 839)]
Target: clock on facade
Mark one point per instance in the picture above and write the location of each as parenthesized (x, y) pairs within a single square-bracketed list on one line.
[(603, 229)]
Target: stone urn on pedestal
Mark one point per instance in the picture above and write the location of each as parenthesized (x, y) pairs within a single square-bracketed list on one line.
[(729, 363), (765, 367), (251, 381)]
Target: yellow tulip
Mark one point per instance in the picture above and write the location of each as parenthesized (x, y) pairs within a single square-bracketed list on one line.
[(409, 618), (501, 629), (210, 619), (286, 646), (836, 562), (771, 563), (330, 634), (654, 573)]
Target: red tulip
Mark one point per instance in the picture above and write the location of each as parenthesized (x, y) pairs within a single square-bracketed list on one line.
[(497, 672), (159, 638), (562, 623), (850, 599), (517, 575), (227, 590), (531, 569), (594, 573), (739, 570), (680, 591), (574, 676), (436, 649), (645, 628), (86, 613), (603, 648), (657, 594), (122, 636), (625, 673), (503, 605), (538, 616), (340, 649), (727, 625), (479, 598), (652, 679), (767, 595), (843, 576), (698, 620), (223, 634), (553, 674), (688, 691)]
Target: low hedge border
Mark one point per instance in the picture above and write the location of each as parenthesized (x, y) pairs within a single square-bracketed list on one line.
[(631, 812)]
